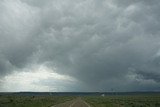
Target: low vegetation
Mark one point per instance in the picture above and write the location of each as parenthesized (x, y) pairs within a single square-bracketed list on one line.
[(94, 101), (32, 101), (124, 101)]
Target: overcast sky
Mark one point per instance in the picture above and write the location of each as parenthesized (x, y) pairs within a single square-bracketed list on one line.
[(79, 45)]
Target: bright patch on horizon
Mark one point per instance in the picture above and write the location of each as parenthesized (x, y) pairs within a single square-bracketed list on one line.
[(29, 81)]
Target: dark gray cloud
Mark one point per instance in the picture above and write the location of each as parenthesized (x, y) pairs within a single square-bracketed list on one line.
[(105, 45)]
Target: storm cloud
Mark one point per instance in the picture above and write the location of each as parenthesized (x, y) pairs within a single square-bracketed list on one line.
[(102, 45)]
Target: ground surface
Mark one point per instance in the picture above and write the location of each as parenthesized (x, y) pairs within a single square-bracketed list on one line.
[(140, 100), (32, 101), (124, 101), (78, 102)]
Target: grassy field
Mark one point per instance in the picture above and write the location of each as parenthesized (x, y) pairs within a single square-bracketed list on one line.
[(124, 101), (31, 101), (94, 101)]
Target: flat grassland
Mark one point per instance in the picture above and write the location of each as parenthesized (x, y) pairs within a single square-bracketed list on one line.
[(32, 101), (93, 101), (124, 101)]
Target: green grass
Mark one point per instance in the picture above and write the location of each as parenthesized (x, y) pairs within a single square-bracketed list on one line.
[(124, 101), (32, 101), (94, 101)]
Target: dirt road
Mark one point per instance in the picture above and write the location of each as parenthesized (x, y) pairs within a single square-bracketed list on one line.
[(74, 103)]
